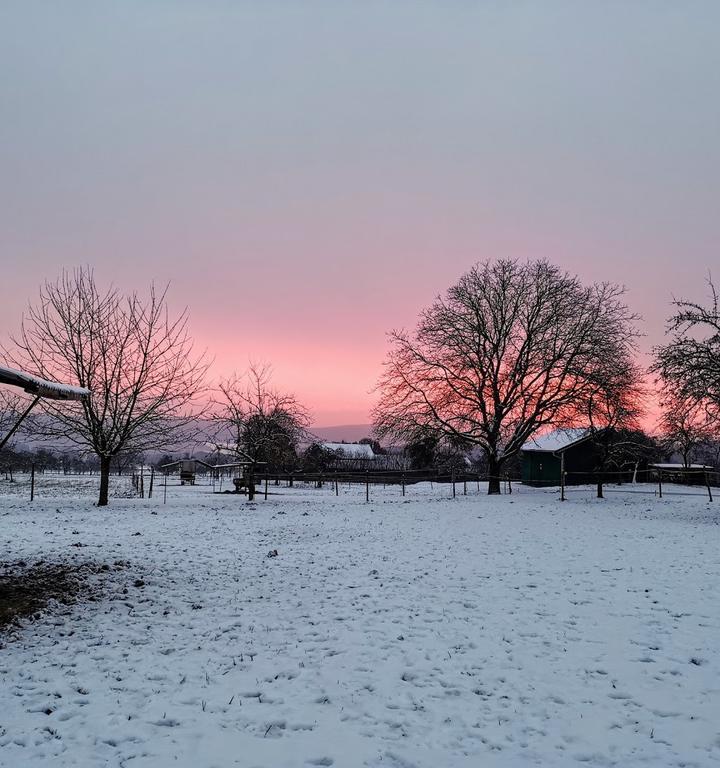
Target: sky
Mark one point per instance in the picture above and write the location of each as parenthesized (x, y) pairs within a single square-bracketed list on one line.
[(307, 176)]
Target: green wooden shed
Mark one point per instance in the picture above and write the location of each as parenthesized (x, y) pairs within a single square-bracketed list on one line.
[(541, 458)]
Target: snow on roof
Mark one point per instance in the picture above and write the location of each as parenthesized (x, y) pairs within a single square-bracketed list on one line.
[(351, 450), (37, 386), (557, 440)]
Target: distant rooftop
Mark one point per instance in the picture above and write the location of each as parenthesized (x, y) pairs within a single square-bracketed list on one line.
[(351, 450), (679, 466)]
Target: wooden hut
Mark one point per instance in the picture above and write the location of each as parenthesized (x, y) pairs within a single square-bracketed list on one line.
[(542, 458)]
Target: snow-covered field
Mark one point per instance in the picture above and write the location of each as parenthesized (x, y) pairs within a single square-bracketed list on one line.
[(422, 631)]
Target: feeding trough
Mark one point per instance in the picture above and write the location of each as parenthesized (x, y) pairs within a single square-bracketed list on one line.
[(188, 469)]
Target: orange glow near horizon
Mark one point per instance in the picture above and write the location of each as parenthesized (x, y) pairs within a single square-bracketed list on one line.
[(335, 387)]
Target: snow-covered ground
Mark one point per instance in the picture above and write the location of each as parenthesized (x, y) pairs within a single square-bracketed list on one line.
[(422, 631)]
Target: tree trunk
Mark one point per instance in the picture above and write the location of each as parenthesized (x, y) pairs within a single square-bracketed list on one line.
[(493, 476), (251, 486), (601, 469), (104, 480)]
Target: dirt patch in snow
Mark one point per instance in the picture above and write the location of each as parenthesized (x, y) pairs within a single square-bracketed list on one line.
[(28, 589)]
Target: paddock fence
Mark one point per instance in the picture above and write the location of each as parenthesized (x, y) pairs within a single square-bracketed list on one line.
[(146, 482)]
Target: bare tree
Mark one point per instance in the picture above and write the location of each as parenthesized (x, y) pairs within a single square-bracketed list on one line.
[(612, 408), (690, 364), (709, 454), (126, 461), (685, 426), (505, 353), (136, 360), (254, 418), (316, 459)]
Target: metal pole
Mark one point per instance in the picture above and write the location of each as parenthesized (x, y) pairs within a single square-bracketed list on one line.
[(152, 480), (165, 488), (266, 482), (403, 483), (453, 482), (251, 484), (19, 422), (562, 476), (367, 485), (707, 483), (660, 481), (337, 490), (32, 481)]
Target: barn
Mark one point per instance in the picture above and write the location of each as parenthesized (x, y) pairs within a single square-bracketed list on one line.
[(350, 455), (541, 458)]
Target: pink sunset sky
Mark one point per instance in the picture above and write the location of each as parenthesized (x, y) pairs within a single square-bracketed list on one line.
[(308, 176)]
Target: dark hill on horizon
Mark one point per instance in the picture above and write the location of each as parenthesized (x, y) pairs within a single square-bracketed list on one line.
[(349, 433)]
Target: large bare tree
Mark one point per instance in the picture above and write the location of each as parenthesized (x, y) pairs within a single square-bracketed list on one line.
[(690, 363), (506, 352), (135, 358), (255, 418)]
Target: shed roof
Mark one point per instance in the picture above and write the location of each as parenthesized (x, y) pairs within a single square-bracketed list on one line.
[(557, 440), (37, 386), (676, 467)]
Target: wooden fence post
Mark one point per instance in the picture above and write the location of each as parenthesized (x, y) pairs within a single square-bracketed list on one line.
[(707, 483), (152, 481)]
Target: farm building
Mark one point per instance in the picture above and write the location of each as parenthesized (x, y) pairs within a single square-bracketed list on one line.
[(350, 455), (540, 458)]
